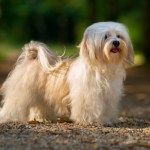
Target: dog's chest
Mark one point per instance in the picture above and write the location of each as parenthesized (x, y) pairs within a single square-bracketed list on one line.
[(113, 88)]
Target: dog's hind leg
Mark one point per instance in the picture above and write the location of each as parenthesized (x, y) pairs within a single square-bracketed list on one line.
[(19, 94), (15, 111)]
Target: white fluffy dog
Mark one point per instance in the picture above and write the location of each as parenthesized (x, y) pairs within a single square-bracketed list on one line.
[(86, 89)]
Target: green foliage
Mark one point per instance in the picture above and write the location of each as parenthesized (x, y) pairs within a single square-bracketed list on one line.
[(9, 49), (6, 49), (65, 20)]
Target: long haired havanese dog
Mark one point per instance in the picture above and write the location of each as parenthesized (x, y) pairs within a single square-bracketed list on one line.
[(86, 89)]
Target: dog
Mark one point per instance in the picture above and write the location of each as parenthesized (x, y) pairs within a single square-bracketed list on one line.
[(86, 89)]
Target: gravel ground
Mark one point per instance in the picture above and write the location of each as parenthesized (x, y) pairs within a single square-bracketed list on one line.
[(131, 132)]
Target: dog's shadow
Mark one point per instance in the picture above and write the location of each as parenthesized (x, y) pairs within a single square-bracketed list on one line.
[(123, 122)]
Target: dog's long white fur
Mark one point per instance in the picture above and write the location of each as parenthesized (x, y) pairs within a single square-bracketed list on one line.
[(86, 89)]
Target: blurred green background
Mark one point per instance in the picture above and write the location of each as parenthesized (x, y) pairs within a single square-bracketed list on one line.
[(61, 23)]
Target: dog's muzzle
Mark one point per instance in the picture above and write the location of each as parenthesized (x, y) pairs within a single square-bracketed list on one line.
[(115, 48)]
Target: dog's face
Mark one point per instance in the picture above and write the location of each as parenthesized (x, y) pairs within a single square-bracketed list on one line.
[(107, 42)]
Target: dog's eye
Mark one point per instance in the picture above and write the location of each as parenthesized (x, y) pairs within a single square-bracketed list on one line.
[(106, 36), (118, 36)]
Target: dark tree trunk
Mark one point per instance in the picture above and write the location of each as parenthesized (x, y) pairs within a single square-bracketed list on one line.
[(146, 38), (92, 9), (112, 9)]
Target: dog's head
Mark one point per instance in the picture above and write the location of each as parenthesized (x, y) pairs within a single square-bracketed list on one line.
[(107, 42)]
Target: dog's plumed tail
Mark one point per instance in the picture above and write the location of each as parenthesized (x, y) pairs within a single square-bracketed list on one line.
[(36, 50)]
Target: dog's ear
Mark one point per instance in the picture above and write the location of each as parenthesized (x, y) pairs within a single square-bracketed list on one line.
[(129, 60), (83, 47), (88, 49)]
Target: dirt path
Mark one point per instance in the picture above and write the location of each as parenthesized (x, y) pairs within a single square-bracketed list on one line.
[(131, 132)]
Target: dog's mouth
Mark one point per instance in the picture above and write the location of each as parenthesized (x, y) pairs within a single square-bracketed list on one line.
[(114, 50)]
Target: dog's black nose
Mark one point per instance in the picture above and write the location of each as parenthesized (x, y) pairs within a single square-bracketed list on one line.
[(116, 43)]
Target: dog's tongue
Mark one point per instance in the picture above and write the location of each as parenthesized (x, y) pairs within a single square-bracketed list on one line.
[(115, 50)]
